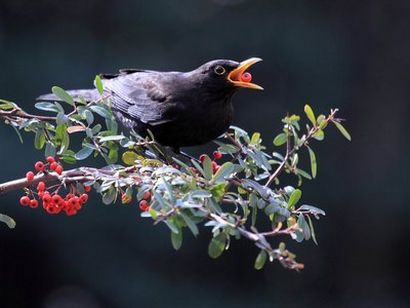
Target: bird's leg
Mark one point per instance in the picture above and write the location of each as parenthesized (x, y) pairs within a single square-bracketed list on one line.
[(188, 156), (185, 155)]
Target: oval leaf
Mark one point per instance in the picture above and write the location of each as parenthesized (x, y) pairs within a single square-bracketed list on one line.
[(176, 239), (343, 130), (280, 139), (310, 114), (294, 198), (217, 245), (83, 153), (313, 163), (63, 95), (98, 84), (260, 260)]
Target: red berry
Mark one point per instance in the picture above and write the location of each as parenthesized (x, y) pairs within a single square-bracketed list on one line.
[(41, 186), (146, 196), (217, 155), (87, 188), (24, 200), (68, 196), (33, 203), (30, 176), (71, 202), (39, 166), (246, 77), (58, 200), (202, 158), (51, 209), (59, 169), (46, 197), (144, 206), (50, 159), (70, 211), (83, 198), (215, 166), (53, 165)]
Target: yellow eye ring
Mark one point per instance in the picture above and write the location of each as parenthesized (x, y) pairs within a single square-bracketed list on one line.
[(219, 70)]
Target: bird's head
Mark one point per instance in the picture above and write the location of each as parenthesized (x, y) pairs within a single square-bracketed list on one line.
[(220, 75)]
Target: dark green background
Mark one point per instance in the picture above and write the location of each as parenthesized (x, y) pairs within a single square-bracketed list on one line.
[(354, 55)]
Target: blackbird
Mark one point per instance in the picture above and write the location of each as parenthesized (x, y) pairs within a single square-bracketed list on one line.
[(179, 108)]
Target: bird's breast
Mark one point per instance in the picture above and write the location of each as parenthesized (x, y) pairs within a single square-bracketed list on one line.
[(196, 124)]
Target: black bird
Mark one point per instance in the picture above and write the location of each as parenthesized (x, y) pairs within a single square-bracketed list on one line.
[(179, 108)]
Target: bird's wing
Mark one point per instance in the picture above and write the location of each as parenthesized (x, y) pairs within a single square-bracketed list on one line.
[(140, 95)]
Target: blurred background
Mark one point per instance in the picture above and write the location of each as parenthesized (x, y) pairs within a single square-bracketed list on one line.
[(354, 55)]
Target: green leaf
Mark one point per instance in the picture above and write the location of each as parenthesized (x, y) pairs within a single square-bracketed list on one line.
[(313, 163), (343, 130), (310, 114), (18, 133), (83, 153), (160, 200), (260, 260), (89, 116), (101, 111), (170, 222), (225, 148), (191, 225), (68, 159), (304, 226), (280, 139), (225, 170), (303, 173), (109, 196), (176, 239), (39, 139), (129, 157), (312, 230), (47, 107), (294, 198), (62, 138), (8, 221), (255, 139), (207, 166), (217, 245), (63, 95), (319, 135), (96, 129), (98, 84), (113, 156), (321, 121), (6, 105), (50, 150), (153, 213), (198, 167)]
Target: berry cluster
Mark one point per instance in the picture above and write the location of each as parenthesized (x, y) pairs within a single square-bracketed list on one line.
[(43, 167), (144, 203), (215, 166), (53, 202)]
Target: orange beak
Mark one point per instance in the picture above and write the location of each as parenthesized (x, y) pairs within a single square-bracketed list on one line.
[(235, 75)]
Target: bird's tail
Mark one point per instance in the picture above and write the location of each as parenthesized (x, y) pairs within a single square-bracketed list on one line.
[(87, 94)]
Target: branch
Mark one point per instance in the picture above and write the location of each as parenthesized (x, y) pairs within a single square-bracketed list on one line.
[(69, 176), (290, 151), (16, 114)]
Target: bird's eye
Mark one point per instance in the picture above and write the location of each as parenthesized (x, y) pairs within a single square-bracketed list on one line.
[(219, 70)]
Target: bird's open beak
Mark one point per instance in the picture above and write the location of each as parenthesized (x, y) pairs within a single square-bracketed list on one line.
[(235, 75)]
